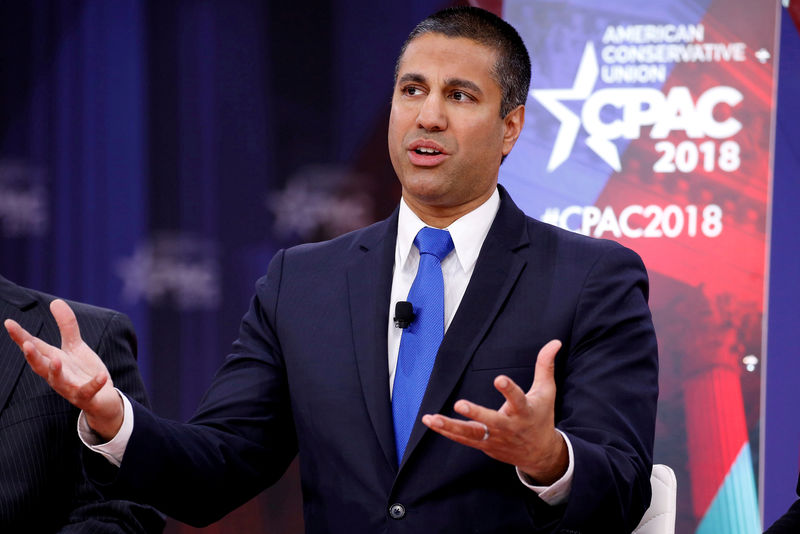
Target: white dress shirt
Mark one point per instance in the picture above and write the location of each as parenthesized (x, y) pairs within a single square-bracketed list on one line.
[(468, 234)]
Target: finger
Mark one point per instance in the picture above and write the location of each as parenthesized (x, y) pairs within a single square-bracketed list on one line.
[(462, 431), (44, 359), (88, 390), (544, 375), (478, 413), (516, 401), (56, 367), (38, 362), (22, 336), (67, 323), (18, 334), (45, 348)]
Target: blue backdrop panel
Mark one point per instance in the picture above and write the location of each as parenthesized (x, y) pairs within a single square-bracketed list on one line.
[(782, 426)]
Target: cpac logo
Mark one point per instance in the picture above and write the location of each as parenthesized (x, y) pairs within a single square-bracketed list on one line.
[(639, 107)]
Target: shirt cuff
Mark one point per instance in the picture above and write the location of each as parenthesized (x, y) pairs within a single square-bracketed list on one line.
[(558, 491), (112, 450)]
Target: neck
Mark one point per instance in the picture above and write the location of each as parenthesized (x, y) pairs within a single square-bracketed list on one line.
[(443, 216)]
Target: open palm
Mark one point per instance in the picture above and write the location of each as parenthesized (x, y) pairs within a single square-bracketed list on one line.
[(74, 371)]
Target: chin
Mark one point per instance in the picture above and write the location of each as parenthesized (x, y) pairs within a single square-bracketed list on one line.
[(426, 191)]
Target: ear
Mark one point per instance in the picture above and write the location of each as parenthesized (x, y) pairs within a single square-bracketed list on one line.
[(512, 123)]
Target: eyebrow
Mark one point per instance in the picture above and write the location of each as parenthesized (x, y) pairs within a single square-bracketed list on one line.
[(412, 77), (449, 82), (464, 84)]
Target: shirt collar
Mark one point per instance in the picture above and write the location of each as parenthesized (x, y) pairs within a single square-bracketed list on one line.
[(468, 232)]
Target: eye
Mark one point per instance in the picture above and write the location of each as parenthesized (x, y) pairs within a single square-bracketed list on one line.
[(411, 90), (460, 96)]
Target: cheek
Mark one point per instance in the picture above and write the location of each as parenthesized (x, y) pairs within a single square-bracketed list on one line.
[(482, 143), (395, 143), (395, 133)]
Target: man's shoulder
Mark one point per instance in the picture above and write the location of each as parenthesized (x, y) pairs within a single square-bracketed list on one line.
[(93, 320), (545, 238), (573, 243), (343, 245), (83, 311), (98, 321)]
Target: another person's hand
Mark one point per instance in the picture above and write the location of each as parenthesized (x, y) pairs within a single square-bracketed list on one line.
[(75, 372), (522, 432)]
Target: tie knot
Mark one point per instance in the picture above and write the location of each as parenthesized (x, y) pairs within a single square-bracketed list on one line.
[(434, 241)]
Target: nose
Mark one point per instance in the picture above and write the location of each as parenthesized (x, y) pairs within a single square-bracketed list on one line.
[(432, 115)]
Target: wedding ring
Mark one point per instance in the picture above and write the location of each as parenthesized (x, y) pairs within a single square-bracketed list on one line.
[(485, 432)]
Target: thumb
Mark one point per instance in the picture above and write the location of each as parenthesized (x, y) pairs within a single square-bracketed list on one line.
[(67, 324), (544, 375)]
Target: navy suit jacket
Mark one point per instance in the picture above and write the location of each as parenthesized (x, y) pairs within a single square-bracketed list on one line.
[(42, 485), (309, 374)]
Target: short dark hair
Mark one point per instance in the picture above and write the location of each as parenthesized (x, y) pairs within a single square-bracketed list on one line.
[(512, 71)]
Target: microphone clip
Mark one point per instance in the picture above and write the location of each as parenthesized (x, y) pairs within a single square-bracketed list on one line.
[(403, 314)]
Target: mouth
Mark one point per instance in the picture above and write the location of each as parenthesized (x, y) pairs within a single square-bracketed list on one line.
[(426, 146), (426, 153)]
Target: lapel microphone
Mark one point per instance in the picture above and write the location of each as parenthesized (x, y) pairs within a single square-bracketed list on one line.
[(403, 314)]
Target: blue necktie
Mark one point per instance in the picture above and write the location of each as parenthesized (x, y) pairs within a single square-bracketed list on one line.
[(420, 341)]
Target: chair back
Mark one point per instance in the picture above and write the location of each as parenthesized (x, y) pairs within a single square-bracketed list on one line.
[(660, 516)]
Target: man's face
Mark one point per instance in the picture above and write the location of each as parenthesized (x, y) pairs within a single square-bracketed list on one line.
[(446, 136)]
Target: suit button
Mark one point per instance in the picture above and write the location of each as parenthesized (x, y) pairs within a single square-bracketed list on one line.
[(397, 511)]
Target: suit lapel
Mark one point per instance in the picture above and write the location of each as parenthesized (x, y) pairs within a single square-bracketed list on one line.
[(369, 280), (496, 272), (17, 304)]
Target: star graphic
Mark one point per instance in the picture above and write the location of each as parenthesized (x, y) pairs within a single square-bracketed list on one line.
[(582, 88)]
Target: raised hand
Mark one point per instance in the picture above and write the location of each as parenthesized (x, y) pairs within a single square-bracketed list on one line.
[(522, 432), (74, 371)]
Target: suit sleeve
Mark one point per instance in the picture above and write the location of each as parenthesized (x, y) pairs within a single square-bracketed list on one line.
[(117, 348), (607, 394), (240, 440)]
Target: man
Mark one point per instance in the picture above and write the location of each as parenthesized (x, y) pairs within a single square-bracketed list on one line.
[(421, 440), (42, 484)]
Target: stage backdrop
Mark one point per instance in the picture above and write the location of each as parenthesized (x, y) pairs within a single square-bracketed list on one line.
[(154, 156), (653, 127)]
